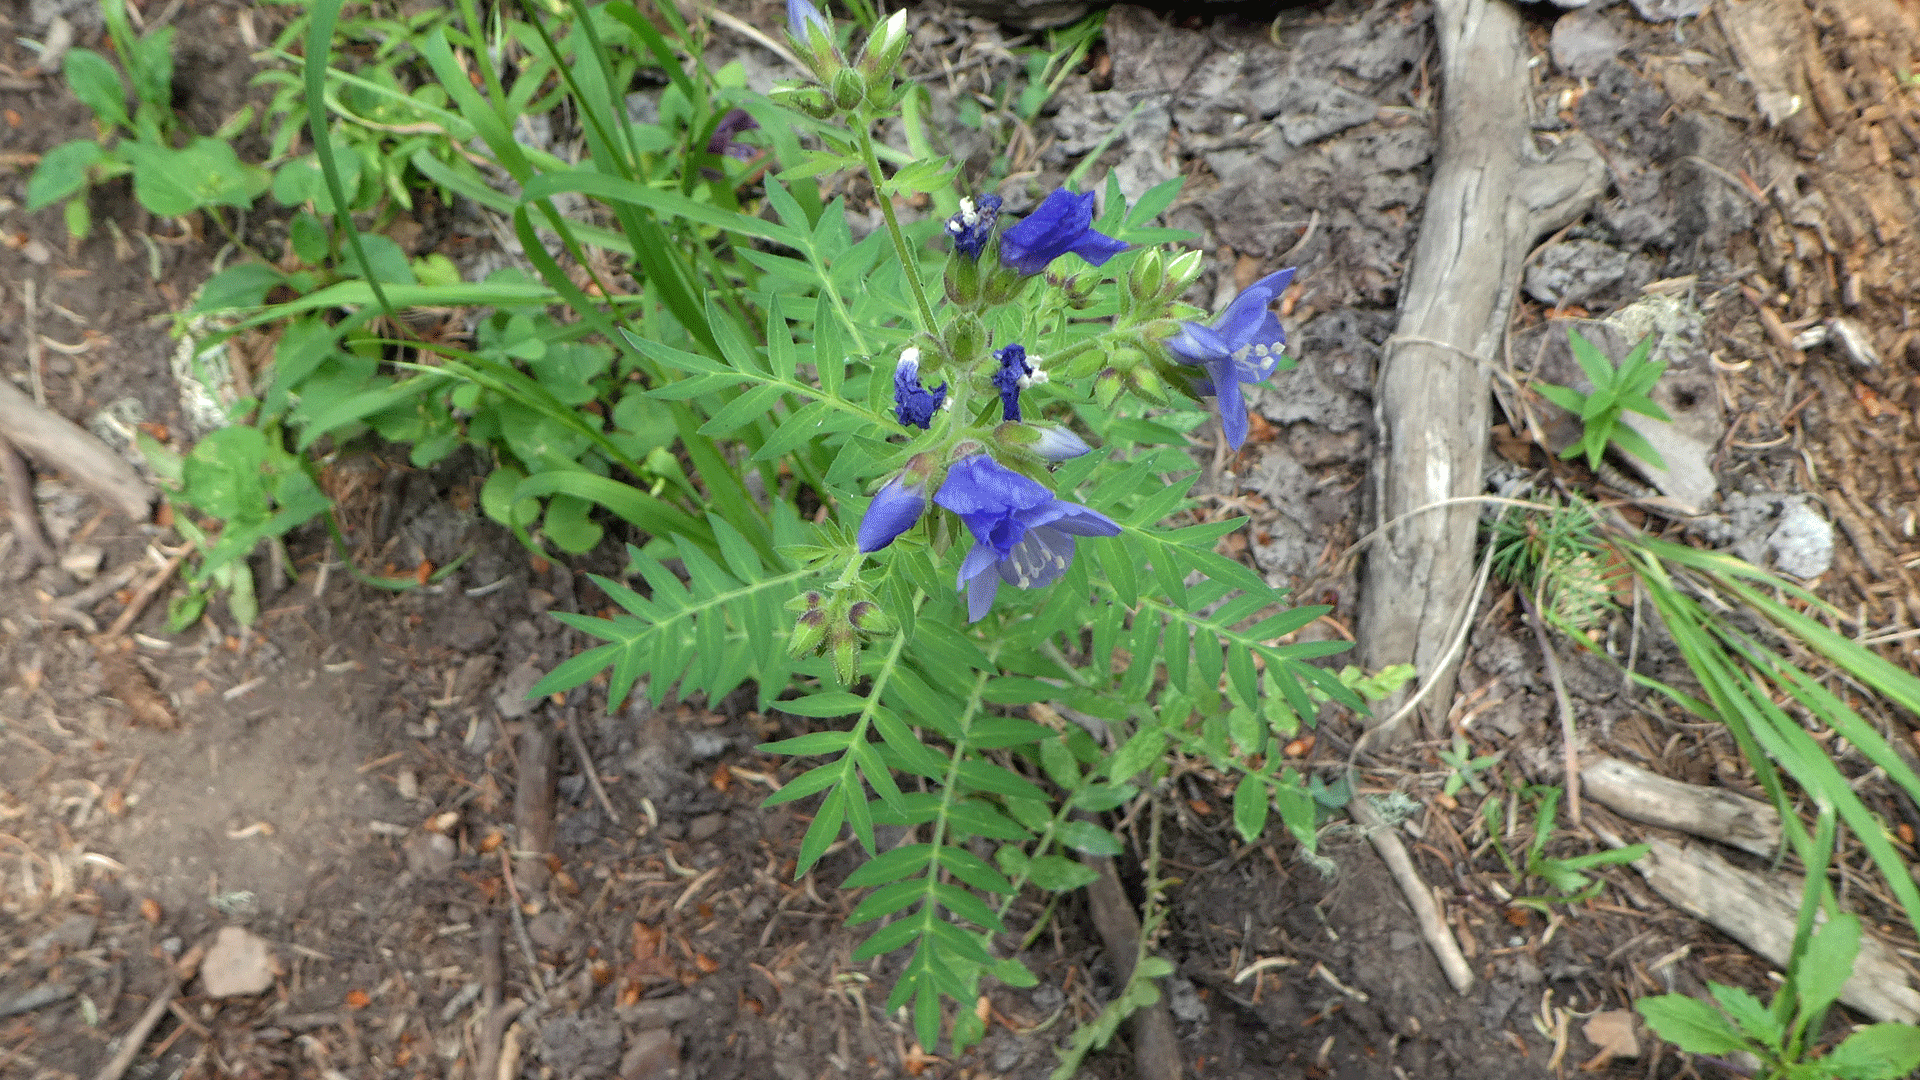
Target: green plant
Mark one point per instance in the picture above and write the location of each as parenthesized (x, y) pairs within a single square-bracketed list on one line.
[(1566, 876), (168, 180), (1782, 1033), (1466, 767), (1616, 389)]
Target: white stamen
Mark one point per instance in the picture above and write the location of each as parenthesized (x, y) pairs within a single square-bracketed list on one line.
[(909, 362)]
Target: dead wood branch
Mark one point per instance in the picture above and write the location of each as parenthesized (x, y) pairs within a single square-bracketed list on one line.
[(1715, 813), (1426, 913), (58, 443), (1492, 196)]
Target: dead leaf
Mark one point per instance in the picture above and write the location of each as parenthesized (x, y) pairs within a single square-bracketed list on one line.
[(1612, 1032), (126, 680)]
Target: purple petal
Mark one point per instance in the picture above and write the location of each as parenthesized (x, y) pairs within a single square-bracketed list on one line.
[(1081, 521), (1197, 344), (1055, 227), (800, 15), (893, 511), (1058, 443), (1097, 247), (980, 485), (1233, 412), (979, 560), (981, 589), (1243, 318)]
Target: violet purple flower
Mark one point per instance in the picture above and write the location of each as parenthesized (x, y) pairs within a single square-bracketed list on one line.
[(801, 15), (913, 404), (1243, 345), (1015, 374), (1062, 223), (894, 509), (973, 225), (1021, 534), (725, 143)]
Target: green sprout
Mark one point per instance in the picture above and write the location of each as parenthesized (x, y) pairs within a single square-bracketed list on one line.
[(1615, 390)]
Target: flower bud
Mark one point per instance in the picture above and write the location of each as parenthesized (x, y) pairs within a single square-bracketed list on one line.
[(1079, 291), (1004, 286), (849, 89), (896, 508), (883, 50), (846, 656), (963, 280), (807, 99), (1148, 384), (966, 339), (1058, 444), (1106, 388), (809, 633), (866, 617), (1180, 274), (1149, 273)]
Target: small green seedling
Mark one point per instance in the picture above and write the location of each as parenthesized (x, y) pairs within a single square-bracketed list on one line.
[(1466, 768), (1615, 390), (1567, 877), (168, 179), (1777, 1033)]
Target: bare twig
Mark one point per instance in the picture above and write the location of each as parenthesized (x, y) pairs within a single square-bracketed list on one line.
[(1426, 913), (586, 766), (1568, 749), (34, 548), (30, 302), (58, 443), (144, 595), (1156, 1049), (135, 1038)]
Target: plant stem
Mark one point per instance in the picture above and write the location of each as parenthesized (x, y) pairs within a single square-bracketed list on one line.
[(907, 260)]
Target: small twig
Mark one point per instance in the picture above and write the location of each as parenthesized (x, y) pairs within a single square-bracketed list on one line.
[(144, 595), (1571, 754), (30, 301), (572, 725), (135, 1038), (498, 1016), (34, 547), (520, 935), (1426, 913)]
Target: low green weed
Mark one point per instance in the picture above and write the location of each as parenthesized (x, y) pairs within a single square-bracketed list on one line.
[(1616, 389), (1567, 876), (168, 179)]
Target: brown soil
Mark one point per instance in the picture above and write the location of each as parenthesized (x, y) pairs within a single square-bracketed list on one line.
[(343, 780)]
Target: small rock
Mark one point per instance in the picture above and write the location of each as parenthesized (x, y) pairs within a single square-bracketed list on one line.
[(1575, 271), (37, 252), (580, 1046), (1802, 544), (82, 561), (1583, 42), (651, 1055), (429, 854), (1668, 10), (1184, 1001), (511, 695), (74, 933), (1308, 110), (658, 1012), (704, 826), (549, 929), (239, 963)]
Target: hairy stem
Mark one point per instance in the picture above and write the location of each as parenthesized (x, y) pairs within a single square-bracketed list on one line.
[(907, 260)]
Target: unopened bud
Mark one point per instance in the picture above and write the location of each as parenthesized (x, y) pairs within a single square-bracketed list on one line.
[(866, 617), (809, 633), (1180, 274), (1148, 384), (966, 339), (849, 89), (1148, 274), (963, 280), (846, 657), (1106, 388), (884, 48)]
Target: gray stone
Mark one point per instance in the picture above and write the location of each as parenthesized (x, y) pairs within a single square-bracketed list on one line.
[(1583, 42), (1668, 10), (428, 854), (653, 1054), (239, 963), (1308, 110), (549, 929), (1575, 271), (705, 826), (1802, 544), (581, 1047), (510, 697)]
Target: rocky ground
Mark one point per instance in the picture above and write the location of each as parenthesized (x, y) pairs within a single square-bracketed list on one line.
[(347, 783)]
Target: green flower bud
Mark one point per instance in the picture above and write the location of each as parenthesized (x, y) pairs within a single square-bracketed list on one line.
[(966, 338), (807, 99), (846, 656), (883, 50), (866, 617), (1180, 274), (1106, 388), (849, 89), (809, 633), (1004, 284), (1149, 273), (1148, 384), (1079, 291), (963, 281)]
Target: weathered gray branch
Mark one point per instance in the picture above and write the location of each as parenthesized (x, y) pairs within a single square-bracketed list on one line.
[(1492, 197), (57, 443)]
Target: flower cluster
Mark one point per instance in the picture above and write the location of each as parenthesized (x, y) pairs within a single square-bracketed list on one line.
[(989, 471)]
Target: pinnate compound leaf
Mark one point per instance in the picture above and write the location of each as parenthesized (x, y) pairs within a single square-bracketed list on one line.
[(1753, 1018)]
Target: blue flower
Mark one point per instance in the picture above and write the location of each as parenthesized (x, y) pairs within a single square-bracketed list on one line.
[(914, 404), (1063, 223), (894, 510), (1058, 443), (1243, 345), (801, 15), (971, 227), (725, 141), (1015, 374), (1021, 534)]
